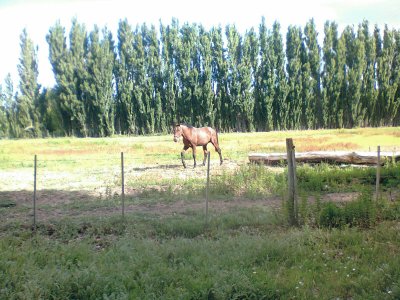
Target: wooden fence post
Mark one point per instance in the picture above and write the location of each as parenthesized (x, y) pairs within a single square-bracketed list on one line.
[(292, 201), (34, 192), (123, 185), (208, 184), (378, 173)]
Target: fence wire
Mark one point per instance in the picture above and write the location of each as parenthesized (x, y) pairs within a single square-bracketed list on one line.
[(61, 190)]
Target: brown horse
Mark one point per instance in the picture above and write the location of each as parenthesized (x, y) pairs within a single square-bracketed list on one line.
[(193, 137)]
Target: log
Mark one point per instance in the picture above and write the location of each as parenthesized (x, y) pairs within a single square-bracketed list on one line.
[(333, 157)]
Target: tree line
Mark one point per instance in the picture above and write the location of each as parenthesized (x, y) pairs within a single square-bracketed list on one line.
[(146, 79)]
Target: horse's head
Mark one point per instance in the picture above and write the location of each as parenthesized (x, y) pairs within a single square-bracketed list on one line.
[(177, 132)]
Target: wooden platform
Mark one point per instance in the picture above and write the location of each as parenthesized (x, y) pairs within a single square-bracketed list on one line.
[(334, 157)]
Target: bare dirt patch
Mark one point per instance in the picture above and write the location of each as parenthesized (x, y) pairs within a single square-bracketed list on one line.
[(91, 193)]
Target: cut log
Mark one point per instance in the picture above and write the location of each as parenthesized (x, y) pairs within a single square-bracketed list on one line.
[(337, 157)]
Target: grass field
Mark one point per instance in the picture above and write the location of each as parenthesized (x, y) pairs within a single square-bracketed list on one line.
[(345, 247)]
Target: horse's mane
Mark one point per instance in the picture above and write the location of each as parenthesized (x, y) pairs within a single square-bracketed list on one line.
[(187, 125)]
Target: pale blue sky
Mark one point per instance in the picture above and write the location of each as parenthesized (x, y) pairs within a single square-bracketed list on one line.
[(37, 16)]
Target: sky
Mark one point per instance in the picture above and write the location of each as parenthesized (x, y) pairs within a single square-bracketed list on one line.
[(37, 16)]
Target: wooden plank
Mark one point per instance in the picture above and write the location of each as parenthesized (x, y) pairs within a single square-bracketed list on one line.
[(335, 157)]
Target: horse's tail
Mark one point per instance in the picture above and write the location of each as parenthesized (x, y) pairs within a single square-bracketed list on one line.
[(216, 134)]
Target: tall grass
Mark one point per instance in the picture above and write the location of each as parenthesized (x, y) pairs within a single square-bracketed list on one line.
[(239, 255)]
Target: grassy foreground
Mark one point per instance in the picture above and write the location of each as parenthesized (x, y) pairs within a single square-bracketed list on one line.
[(244, 254), (340, 251)]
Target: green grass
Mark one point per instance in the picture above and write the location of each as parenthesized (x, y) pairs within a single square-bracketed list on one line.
[(246, 254), (83, 249)]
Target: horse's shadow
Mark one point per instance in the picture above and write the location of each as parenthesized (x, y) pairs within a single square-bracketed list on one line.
[(157, 167)]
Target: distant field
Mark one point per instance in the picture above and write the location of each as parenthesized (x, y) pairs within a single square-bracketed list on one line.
[(161, 149), (74, 163)]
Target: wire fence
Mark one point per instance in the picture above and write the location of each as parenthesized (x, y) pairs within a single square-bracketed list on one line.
[(53, 188)]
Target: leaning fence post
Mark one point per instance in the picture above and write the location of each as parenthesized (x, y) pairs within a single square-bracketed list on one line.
[(208, 184), (34, 192), (123, 185), (292, 203), (378, 173)]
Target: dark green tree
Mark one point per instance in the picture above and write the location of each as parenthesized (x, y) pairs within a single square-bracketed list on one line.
[(140, 97), (76, 76), (207, 111), (154, 74), (27, 101), (69, 68), (368, 92), (263, 83), (368, 89), (355, 52), (98, 86), (58, 53), (4, 125), (220, 80), (332, 76), (388, 78), (124, 72), (293, 49), (313, 100), (169, 69), (396, 69), (280, 109), (247, 70), (234, 56), (307, 119)]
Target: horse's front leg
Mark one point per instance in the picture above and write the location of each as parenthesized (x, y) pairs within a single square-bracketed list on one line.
[(205, 154), (183, 155), (194, 156)]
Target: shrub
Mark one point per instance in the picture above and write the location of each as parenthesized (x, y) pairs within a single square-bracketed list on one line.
[(331, 216), (361, 212)]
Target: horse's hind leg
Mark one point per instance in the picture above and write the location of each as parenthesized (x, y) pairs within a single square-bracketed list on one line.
[(194, 156), (220, 155), (217, 148), (205, 154), (183, 155)]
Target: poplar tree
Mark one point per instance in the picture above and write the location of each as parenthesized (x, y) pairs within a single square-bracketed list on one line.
[(220, 79), (313, 56), (264, 89), (277, 60), (58, 53), (148, 88), (4, 125), (247, 70), (307, 119), (353, 75), (293, 47), (124, 72), (332, 76), (76, 76), (70, 73), (342, 76), (98, 87), (208, 110), (368, 90), (234, 55), (169, 42), (10, 107), (188, 75), (153, 66), (396, 120), (139, 76), (388, 80), (27, 114)]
